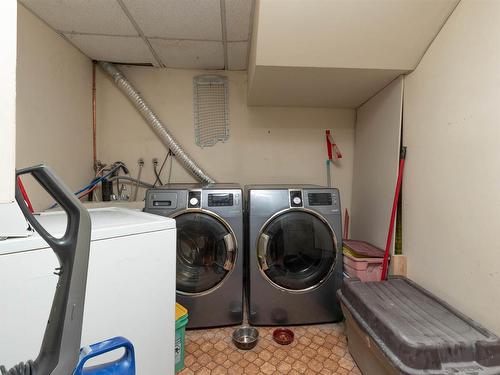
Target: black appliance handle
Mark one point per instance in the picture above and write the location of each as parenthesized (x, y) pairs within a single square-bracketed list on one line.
[(60, 348)]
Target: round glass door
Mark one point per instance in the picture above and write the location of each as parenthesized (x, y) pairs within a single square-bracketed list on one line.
[(297, 250), (205, 252)]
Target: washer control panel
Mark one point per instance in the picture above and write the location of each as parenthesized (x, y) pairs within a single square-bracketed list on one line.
[(296, 198), (194, 199), (220, 199)]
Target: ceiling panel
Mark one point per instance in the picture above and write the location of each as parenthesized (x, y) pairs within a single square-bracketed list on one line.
[(131, 50), (189, 54), (83, 16), (237, 55), (174, 19), (238, 13)]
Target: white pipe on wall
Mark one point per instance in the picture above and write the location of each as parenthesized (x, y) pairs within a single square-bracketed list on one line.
[(12, 222), (8, 41)]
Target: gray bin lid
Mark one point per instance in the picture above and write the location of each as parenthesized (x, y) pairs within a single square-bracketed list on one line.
[(417, 332)]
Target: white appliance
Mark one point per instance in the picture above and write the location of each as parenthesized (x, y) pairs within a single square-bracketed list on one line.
[(130, 287)]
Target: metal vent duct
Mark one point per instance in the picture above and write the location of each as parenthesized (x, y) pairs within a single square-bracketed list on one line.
[(153, 120)]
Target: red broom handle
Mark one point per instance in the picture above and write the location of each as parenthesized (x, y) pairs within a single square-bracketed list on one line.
[(25, 195), (385, 265)]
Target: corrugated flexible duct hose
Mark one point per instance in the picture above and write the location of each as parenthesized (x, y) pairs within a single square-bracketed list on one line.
[(155, 123)]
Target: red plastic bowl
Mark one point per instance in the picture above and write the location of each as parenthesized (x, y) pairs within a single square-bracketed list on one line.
[(283, 336)]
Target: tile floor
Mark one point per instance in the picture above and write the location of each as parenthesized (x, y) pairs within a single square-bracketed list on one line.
[(317, 349)]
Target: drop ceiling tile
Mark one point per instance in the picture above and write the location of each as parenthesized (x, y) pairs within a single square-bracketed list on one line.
[(131, 50), (177, 19), (237, 55), (238, 13), (189, 54), (83, 16)]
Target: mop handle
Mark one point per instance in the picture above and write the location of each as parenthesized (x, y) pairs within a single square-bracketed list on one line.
[(385, 264), (61, 341)]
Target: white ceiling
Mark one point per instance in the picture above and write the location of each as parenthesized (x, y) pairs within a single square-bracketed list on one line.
[(192, 34)]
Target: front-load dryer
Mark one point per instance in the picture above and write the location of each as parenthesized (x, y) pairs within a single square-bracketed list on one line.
[(209, 275), (294, 249)]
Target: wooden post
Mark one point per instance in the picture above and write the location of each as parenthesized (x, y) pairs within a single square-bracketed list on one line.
[(399, 265)]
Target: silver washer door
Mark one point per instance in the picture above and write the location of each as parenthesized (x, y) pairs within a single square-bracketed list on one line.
[(296, 250), (205, 252)]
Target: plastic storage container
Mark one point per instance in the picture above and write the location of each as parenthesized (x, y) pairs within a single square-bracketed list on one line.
[(362, 249), (397, 327), (181, 320), (366, 269), (362, 260)]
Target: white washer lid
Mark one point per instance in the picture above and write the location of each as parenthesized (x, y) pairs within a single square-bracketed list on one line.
[(109, 222)]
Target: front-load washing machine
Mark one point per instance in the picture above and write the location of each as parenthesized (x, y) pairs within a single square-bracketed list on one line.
[(294, 249), (209, 275)]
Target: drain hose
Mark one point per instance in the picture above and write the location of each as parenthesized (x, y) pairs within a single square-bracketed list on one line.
[(153, 120)]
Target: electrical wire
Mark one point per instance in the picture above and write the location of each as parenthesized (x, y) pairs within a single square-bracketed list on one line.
[(87, 192), (95, 194), (141, 164), (157, 174), (99, 171), (158, 179), (165, 160), (113, 169), (170, 168)]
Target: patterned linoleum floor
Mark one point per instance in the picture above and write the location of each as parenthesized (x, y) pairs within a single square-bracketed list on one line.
[(317, 349)]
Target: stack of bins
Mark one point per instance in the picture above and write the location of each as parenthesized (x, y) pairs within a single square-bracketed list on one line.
[(362, 260), (181, 320)]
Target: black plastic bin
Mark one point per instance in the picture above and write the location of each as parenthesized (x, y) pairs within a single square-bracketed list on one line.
[(397, 327)]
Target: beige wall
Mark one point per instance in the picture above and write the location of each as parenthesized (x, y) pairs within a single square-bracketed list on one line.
[(376, 161), (54, 120), (451, 195), (266, 144)]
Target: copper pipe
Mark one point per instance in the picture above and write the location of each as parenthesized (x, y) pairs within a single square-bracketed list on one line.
[(94, 120)]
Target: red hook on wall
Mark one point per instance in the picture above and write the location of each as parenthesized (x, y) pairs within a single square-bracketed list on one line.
[(332, 147)]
